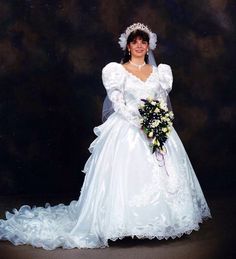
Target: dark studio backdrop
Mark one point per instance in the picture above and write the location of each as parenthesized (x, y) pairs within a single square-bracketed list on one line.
[(51, 93)]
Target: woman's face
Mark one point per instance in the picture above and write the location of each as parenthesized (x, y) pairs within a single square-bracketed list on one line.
[(138, 47)]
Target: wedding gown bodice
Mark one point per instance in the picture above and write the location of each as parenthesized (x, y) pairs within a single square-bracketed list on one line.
[(126, 90)]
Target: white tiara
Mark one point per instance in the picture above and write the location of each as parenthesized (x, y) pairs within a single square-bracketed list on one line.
[(138, 26)]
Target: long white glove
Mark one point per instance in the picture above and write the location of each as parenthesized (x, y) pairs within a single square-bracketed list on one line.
[(113, 78)]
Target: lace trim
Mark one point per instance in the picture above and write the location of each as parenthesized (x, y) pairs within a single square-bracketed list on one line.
[(122, 235)]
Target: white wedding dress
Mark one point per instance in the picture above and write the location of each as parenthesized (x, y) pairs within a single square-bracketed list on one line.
[(127, 190)]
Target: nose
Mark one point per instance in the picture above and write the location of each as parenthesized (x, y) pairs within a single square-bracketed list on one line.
[(139, 43)]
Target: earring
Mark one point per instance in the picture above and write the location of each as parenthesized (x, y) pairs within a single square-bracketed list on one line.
[(129, 52), (147, 52)]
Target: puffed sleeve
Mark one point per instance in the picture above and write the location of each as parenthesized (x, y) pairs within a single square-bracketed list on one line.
[(113, 78), (165, 76)]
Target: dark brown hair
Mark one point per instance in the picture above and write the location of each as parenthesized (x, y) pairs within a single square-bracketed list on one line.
[(133, 35)]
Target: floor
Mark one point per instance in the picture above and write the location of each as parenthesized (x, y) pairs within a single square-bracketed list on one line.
[(214, 240)]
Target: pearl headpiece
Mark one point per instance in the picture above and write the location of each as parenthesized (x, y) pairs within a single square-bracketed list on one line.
[(138, 26)]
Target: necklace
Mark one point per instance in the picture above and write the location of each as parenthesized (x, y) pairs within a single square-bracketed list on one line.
[(136, 65)]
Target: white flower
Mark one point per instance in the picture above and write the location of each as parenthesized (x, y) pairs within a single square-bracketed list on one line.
[(141, 106), (123, 41), (171, 114), (152, 40), (149, 99), (164, 118), (163, 105), (155, 123)]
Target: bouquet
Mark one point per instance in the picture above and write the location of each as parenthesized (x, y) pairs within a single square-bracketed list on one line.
[(156, 122)]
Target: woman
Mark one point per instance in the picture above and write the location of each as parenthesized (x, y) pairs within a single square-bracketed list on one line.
[(128, 190)]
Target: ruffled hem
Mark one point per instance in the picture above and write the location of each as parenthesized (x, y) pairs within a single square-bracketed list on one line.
[(187, 231), (69, 242)]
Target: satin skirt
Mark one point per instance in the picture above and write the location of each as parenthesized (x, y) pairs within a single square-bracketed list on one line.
[(127, 191)]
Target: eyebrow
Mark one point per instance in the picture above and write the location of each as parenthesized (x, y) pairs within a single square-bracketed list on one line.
[(134, 40)]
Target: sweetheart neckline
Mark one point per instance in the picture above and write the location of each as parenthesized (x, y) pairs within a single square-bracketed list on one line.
[(133, 75)]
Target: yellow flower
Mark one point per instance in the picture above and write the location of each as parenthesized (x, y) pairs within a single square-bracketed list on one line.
[(163, 150), (150, 134), (164, 129), (156, 142)]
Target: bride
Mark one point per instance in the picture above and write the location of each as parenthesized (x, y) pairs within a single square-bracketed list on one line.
[(127, 190)]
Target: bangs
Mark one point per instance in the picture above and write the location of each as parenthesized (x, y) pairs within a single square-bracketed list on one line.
[(138, 34)]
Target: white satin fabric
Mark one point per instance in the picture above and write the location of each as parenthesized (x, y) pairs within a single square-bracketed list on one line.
[(126, 191)]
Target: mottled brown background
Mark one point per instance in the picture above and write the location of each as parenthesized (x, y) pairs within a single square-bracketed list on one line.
[(51, 94)]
